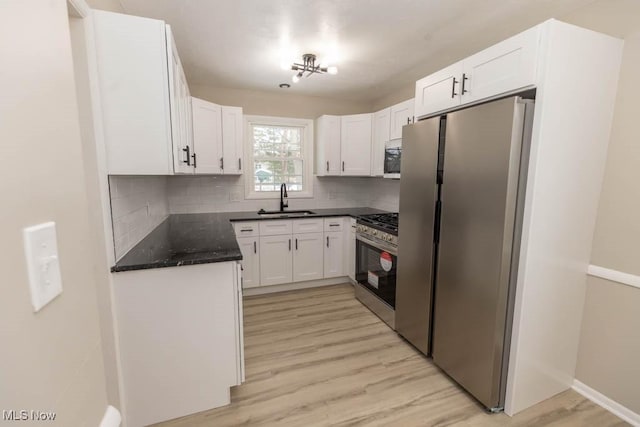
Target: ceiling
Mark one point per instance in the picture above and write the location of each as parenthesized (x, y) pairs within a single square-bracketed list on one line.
[(377, 45)]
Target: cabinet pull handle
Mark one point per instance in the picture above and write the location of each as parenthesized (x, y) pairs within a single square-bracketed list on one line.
[(334, 225), (342, 166), (464, 79), (327, 241), (255, 247), (289, 245), (408, 120), (327, 165), (296, 244), (246, 229), (193, 156), (453, 88), (239, 164), (221, 162), (187, 150)]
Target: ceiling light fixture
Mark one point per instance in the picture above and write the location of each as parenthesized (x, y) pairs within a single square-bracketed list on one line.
[(284, 85), (309, 66)]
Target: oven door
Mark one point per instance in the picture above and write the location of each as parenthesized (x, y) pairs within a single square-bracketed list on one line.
[(392, 157), (376, 264)]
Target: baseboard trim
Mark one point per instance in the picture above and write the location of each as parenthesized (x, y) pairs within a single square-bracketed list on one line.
[(262, 290), (614, 275), (609, 404)]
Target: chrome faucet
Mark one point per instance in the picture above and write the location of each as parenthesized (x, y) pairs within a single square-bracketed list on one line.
[(283, 195)]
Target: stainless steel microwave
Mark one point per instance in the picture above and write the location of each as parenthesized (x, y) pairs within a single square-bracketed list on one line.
[(392, 155)]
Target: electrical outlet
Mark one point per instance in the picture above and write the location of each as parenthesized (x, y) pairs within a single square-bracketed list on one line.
[(43, 265)]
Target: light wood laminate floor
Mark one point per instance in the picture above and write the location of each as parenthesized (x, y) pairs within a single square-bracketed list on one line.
[(318, 357)]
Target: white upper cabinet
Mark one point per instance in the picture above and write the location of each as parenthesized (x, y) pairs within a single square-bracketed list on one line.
[(355, 144), (180, 107), (134, 62), (327, 146), (401, 114), (502, 68), (439, 91), (207, 136), (217, 138), (381, 125), (232, 142)]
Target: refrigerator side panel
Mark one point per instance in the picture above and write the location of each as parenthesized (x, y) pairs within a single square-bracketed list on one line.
[(418, 195), (479, 193)]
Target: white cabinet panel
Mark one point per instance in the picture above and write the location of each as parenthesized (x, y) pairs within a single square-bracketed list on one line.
[(307, 257), (275, 227), (381, 133), (355, 144), (401, 114), (246, 228), (250, 261), (334, 259), (131, 55), (232, 140), (275, 260), (334, 224), (328, 145), (207, 136), (504, 67), (438, 91)]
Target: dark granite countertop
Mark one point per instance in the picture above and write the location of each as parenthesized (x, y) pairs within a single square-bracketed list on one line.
[(188, 239)]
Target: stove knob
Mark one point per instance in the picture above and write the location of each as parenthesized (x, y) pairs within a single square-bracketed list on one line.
[(375, 232)]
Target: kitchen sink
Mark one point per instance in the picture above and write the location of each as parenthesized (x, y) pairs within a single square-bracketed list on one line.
[(283, 214)]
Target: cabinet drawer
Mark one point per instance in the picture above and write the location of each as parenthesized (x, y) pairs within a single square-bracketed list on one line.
[(333, 224), (311, 225), (246, 229), (274, 228)]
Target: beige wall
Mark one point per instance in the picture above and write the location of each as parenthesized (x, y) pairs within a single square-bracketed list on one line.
[(278, 104), (610, 341), (109, 5), (50, 360)]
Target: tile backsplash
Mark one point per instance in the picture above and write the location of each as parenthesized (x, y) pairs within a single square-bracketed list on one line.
[(189, 194), (138, 205)]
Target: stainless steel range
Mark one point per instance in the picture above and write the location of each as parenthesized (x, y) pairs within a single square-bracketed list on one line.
[(376, 262)]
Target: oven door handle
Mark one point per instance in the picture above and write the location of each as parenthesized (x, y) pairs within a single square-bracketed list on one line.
[(378, 245)]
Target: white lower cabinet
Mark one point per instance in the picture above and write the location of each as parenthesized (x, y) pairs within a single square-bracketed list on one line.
[(307, 257), (276, 262), (333, 254), (250, 261)]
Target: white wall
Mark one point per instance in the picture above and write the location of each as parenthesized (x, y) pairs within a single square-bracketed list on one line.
[(138, 205), (50, 360)]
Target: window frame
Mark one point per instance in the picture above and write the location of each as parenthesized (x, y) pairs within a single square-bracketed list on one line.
[(307, 156)]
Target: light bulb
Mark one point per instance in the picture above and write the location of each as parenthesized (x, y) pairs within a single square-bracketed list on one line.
[(295, 78), (332, 70)]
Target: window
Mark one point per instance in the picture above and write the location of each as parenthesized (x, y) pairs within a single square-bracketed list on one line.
[(279, 151)]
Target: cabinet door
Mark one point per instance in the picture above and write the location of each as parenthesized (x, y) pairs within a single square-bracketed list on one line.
[(504, 67), (275, 259), (401, 114), (381, 129), (333, 254), (307, 256), (133, 78), (355, 144), (207, 136), (438, 91), (239, 329), (178, 99), (250, 261), (328, 145), (351, 250), (232, 141)]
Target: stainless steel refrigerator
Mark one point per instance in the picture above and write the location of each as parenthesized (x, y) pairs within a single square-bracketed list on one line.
[(461, 201)]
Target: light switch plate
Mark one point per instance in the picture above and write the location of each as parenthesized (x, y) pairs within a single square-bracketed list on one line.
[(43, 265)]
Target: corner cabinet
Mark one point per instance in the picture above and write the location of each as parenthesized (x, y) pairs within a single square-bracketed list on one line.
[(144, 96), (381, 132), (502, 68), (400, 114), (217, 138)]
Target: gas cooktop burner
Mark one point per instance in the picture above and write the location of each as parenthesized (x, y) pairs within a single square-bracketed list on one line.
[(387, 222)]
